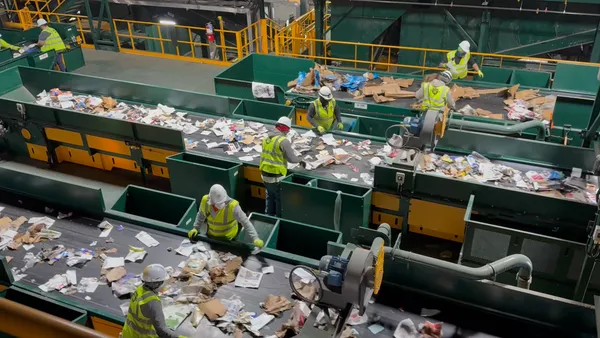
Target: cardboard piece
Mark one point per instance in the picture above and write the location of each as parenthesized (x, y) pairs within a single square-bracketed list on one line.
[(292, 84), (275, 305), (115, 274), (213, 309), (16, 224), (403, 94), (497, 91), (8, 259), (404, 83), (509, 102), (382, 99), (387, 79), (527, 94), (547, 114), (309, 79), (538, 101), (225, 274), (513, 90), (109, 102)]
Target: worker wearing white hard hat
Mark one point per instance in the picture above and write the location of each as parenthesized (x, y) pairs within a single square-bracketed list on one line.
[(323, 113), (49, 40), (4, 45), (436, 94), (145, 317), (459, 61), (277, 152), (223, 215)]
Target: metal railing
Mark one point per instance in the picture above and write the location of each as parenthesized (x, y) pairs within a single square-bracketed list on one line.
[(45, 5), (296, 35)]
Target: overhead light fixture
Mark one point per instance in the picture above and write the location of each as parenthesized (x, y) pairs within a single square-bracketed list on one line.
[(167, 22)]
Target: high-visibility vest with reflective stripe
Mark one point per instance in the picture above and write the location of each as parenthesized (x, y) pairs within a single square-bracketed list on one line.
[(434, 97), (53, 42), (462, 67), (272, 160), (223, 225), (136, 324), (324, 117)]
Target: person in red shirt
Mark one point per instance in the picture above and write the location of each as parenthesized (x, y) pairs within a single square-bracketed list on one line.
[(210, 37)]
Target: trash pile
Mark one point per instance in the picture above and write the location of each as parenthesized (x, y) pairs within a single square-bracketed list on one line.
[(105, 106), (477, 168), (381, 89)]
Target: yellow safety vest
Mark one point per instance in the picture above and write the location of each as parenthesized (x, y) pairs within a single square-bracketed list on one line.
[(223, 225), (434, 97), (272, 160), (53, 42), (4, 44), (462, 67), (137, 325), (324, 118)]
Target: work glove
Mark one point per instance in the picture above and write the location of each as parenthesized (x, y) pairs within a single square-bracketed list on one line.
[(259, 243), (321, 129), (340, 125), (480, 73), (192, 233)]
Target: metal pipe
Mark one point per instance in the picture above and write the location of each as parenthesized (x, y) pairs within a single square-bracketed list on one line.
[(483, 272), (479, 7), (501, 129), (18, 318)]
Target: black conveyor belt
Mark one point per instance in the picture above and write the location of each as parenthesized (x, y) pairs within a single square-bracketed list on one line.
[(80, 232)]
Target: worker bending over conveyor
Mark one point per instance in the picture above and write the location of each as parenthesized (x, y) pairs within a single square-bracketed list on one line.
[(436, 94), (277, 152), (323, 112), (145, 317), (222, 214), (4, 44), (459, 61)]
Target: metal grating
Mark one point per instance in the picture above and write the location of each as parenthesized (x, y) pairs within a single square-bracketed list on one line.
[(489, 245), (543, 255)]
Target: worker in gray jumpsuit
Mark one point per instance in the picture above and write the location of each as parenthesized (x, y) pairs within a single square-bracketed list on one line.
[(145, 318)]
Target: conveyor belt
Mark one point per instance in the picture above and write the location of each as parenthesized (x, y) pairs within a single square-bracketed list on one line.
[(491, 102), (80, 232)]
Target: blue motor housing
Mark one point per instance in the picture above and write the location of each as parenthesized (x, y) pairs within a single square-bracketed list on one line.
[(414, 125), (336, 269)]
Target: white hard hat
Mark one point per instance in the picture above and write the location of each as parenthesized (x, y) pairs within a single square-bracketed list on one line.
[(465, 46), (154, 273), (446, 76), (41, 22), (217, 195), (285, 121), (325, 93)]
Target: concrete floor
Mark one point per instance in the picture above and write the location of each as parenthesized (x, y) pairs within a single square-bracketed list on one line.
[(196, 77), (143, 69)]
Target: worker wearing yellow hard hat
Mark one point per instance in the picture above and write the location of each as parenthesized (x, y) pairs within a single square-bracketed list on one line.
[(436, 95), (4, 44), (459, 61), (48, 40), (145, 317), (223, 215), (323, 113)]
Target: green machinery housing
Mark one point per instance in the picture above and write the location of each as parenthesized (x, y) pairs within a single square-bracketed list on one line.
[(73, 56), (415, 204)]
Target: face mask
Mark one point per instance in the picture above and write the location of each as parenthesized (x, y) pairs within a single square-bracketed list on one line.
[(324, 102), (460, 53), (219, 206)]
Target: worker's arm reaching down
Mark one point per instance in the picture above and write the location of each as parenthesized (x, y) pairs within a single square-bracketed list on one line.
[(153, 311), (288, 152), (4, 44), (311, 112), (239, 216)]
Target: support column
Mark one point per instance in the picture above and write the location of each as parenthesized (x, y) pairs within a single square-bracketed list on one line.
[(484, 32), (595, 57), (261, 5), (319, 24), (303, 7)]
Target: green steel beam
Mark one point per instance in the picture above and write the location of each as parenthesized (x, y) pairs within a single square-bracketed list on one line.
[(319, 18), (461, 30), (484, 32), (103, 15), (551, 45), (303, 7), (595, 57), (590, 134)]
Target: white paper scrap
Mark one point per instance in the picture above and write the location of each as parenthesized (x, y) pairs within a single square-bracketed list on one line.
[(42, 220), (28, 247), (268, 269), (72, 277), (135, 254), (376, 328), (124, 308), (206, 132), (260, 321), (145, 238), (106, 231), (185, 248), (212, 145), (258, 148), (248, 279), (104, 225), (113, 262), (9, 233), (247, 158)]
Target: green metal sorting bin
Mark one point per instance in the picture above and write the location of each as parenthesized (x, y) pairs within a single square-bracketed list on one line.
[(372, 126), (530, 79), (203, 171), (154, 208), (46, 304), (301, 239), (495, 75), (263, 111), (576, 78), (312, 201), (264, 226)]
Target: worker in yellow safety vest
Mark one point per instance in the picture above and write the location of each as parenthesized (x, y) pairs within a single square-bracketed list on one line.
[(4, 44), (276, 153), (222, 215), (436, 95), (48, 40), (145, 317), (459, 61), (323, 112)]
